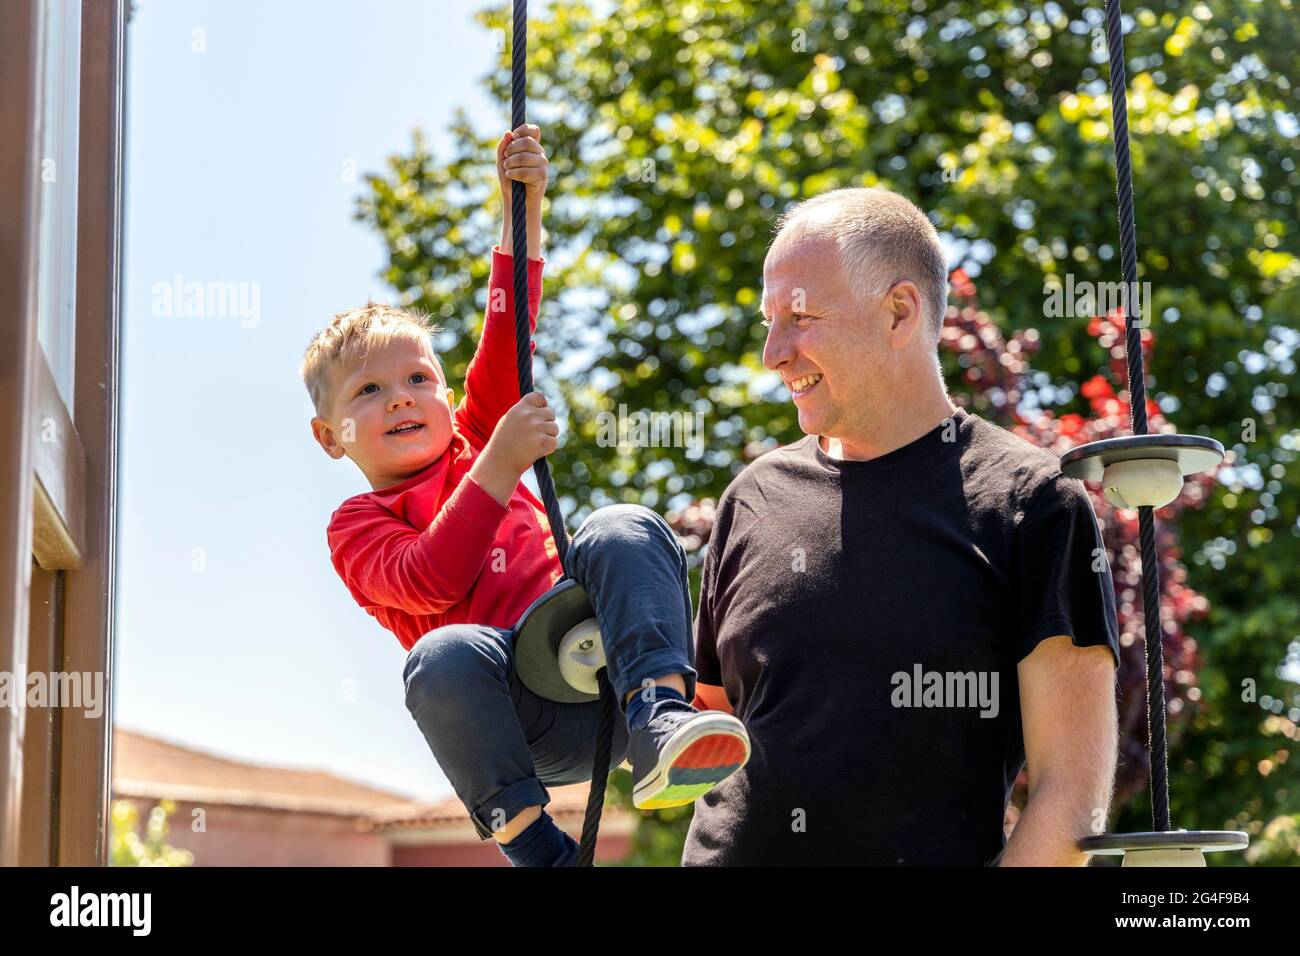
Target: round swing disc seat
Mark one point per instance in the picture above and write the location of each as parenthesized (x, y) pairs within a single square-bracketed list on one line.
[(1142, 470), (558, 649), (1168, 848)]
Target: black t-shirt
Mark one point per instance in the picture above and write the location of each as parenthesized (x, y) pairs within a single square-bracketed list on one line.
[(866, 619)]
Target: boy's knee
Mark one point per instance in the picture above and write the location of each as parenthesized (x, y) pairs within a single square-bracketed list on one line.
[(624, 524), (442, 661)]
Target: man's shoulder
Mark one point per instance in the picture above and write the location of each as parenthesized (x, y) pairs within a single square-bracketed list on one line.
[(779, 464), (780, 460), (994, 445), (1013, 472)]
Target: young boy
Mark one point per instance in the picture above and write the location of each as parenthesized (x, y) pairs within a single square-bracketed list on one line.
[(449, 549)]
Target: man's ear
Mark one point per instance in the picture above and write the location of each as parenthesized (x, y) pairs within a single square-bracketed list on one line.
[(904, 304)]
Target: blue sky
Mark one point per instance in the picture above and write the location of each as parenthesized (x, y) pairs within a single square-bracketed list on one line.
[(233, 632)]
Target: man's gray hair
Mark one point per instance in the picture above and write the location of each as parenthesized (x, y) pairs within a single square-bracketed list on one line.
[(883, 238)]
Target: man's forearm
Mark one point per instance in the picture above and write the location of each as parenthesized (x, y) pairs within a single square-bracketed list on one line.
[(534, 230), (1055, 818)]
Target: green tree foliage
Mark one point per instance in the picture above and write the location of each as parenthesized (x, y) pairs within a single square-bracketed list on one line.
[(658, 839), (678, 131), (128, 848)]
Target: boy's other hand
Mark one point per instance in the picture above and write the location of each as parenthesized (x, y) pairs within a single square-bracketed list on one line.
[(520, 158), (524, 434)]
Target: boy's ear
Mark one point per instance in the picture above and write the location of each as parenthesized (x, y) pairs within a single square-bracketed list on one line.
[(327, 438)]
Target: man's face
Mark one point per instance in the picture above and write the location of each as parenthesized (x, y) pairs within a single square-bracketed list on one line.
[(399, 386), (828, 350)]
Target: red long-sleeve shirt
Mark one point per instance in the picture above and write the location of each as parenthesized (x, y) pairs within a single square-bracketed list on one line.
[(436, 548)]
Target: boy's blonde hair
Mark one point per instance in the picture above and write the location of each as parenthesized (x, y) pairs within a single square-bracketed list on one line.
[(352, 335)]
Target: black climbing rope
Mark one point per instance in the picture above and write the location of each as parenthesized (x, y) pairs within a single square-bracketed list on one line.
[(523, 353), (599, 772), (1138, 418), (518, 220)]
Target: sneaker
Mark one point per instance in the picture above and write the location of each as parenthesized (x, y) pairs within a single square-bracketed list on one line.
[(680, 755)]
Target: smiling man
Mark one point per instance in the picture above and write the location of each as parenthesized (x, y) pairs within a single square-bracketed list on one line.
[(862, 583)]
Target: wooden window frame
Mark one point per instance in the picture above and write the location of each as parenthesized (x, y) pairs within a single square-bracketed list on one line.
[(58, 471)]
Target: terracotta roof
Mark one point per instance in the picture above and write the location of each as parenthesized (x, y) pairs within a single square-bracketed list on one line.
[(150, 768), (567, 807), (147, 767)]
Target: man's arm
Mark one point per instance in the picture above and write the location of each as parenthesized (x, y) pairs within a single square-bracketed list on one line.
[(711, 697), (1067, 704), (709, 692)]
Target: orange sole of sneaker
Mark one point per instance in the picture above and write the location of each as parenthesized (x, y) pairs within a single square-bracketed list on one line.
[(701, 766)]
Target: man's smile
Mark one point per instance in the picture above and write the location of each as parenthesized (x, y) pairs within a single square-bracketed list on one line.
[(802, 386)]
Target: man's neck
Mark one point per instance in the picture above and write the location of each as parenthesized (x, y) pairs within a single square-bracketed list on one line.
[(892, 432)]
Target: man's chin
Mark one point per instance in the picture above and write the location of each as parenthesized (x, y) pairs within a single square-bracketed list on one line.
[(813, 422)]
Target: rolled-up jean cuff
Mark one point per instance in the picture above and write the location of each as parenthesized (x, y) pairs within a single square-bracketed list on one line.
[(528, 792), (657, 664)]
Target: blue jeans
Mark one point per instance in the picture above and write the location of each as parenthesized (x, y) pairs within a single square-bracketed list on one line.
[(499, 743)]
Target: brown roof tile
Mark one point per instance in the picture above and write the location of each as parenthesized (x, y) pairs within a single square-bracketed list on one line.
[(150, 768), (568, 806), (147, 767)]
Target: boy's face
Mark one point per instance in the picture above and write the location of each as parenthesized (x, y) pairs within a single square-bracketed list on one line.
[(399, 383)]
